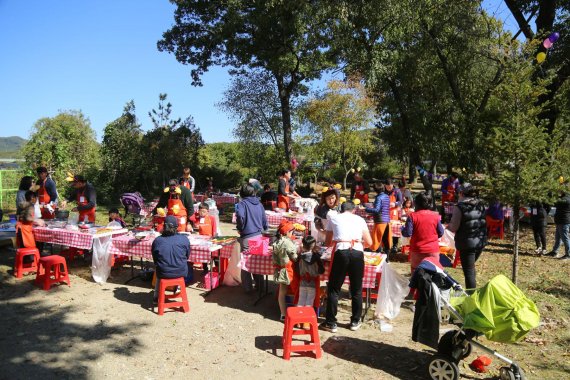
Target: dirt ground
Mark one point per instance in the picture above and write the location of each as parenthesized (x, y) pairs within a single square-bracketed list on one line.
[(91, 331)]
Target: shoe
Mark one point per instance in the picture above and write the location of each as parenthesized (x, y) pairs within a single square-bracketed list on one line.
[(565, 257), (552, 254), (330, 327), (155, 300), (538, 251), (282, 318), (355, 325), (544, 252)]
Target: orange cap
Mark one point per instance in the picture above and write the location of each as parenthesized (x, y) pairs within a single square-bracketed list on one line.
[(285, 226)]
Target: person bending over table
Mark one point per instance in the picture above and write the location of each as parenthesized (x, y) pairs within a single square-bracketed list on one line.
[(251, 221), (178, 200), (86, 197), (26, 220), (170, 253), (350, 236)]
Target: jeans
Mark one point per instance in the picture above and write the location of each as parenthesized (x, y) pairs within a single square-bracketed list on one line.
[(351, 262), (562, 235), (539, 232), (468, 259), (306, 296), (246, 277)]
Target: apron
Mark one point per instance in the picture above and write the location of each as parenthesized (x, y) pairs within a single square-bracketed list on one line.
[(187, 184), (181, 215), (26, 231), (363, 197), (82, 201), (44, 199), (394, 211), (283, 200), (206, 228), (450, 196)]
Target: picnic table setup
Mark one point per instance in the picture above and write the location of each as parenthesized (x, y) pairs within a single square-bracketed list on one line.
[(220, 199)]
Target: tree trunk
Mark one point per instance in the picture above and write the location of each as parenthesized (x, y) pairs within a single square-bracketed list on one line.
[(346, 173), (516, 207), (411, 172), (285, 100)]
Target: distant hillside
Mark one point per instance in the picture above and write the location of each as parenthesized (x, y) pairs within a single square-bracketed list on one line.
[(10, 147)]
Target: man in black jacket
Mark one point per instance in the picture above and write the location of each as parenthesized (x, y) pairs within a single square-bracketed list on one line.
[(562, 221)]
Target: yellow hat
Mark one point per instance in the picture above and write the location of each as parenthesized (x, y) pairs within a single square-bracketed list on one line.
[(341, 200), (166, 189), (356, 201), (325, 189), (337, 186)]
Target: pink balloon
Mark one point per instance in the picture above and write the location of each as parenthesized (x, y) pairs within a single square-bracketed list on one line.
[(554, 37), (547, 43)]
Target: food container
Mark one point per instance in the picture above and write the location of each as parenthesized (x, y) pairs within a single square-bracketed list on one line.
[(62, 214)]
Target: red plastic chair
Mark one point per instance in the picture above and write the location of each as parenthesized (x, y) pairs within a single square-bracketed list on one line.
[(457, 260), (163, 297), (52, 266), (495, 228), (20, 267), (300, 315)]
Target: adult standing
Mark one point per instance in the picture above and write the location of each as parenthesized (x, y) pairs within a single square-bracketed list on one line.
[(284, 191), (562, 221), (350, 236), (470, 228), (449, 188), (86, 197), (538, 220), (178, 199), (25, 185), (170, 253), (359, 188), (328, 204), (268, 198), (424, 229), (381, 236), (396, 202), (251, 221), (47, 193), (188, 181)]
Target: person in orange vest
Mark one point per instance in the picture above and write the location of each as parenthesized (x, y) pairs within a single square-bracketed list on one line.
[(359, 188), (86, 197), (395, 207), (203, 221), (47, 193), (284, 192), (188, 181), (449, 189), (178, 200), (26, 221)]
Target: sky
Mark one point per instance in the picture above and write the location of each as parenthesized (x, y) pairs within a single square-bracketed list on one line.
[(95, 56)]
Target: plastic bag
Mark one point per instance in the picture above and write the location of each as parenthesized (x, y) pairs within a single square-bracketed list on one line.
[(393, 289), (73, 218), (448, 238), (101, 261)]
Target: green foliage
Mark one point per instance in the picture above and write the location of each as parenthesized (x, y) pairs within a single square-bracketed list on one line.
[(221, 162), (63, 143)]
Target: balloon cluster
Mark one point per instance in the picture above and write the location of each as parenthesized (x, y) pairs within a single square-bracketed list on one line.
[(547, 43)]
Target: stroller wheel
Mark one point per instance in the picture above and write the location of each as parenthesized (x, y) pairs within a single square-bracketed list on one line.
[(454, 347), (507, 373), (443, 367)]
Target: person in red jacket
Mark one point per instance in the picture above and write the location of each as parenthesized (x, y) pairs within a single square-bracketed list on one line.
[(424, 229)]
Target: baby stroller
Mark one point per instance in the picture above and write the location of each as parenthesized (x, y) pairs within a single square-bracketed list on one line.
[(133, 204), (499, 310)]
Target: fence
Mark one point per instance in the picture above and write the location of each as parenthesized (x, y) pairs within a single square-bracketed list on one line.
[(9, 182)]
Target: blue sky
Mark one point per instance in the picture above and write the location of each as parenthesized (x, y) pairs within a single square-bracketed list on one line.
[(94, 56)]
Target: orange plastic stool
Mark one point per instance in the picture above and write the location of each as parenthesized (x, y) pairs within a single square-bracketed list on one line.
[(19, 267), (457, 260), (52, 266), (163, 297), (301, 315), (495, 228)]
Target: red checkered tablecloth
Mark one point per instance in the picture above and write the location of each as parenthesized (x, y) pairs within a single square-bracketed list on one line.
[(127, 245), (148, 207), (61, 236), (395, 226), (275, 218), (198, 197), (225, 199), (258, 264)]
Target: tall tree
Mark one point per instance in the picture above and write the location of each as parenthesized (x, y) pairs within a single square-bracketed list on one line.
[(340, 122), (63, 143), (121, 153), (286, 38)]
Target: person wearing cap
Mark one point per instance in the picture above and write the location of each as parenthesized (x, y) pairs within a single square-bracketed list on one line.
[(178, 200), (329, 204), (359, 188), (170, 253), (47, 193), (348, 234), (251, 221), (283, 256), (86, 197), (470, 228)]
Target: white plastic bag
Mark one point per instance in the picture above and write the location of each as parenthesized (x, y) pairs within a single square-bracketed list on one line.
[(448, 238), (393, 289), (101, 261)]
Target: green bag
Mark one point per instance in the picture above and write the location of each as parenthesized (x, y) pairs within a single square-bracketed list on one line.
[(499, 310)]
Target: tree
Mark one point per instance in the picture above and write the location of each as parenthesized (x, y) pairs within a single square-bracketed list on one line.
[(63, 143), (339, 122), (121, 153), (287, 39)]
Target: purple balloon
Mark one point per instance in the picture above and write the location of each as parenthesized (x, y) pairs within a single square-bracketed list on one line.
[(554, 37), (547, 43)]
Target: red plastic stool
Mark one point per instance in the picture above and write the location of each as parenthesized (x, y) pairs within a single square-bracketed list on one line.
[(20, 267), (457, 260), (52, 266), (162, 296), (71, 253), (301, 315)]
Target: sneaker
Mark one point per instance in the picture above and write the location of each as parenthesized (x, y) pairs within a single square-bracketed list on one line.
[(565, 257), (552, 254), (155, 300), (538, 251), (544, 252), (355, 325), (330, 327)]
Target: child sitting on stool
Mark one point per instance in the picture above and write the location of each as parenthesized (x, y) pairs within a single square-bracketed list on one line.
[(114, 216)]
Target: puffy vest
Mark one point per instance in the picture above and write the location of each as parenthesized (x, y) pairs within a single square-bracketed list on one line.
[(472, 232)]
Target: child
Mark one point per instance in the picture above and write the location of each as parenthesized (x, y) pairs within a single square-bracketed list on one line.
[(114, 216), (407, 208), (284, 253), (310, 268), (203, 221)]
